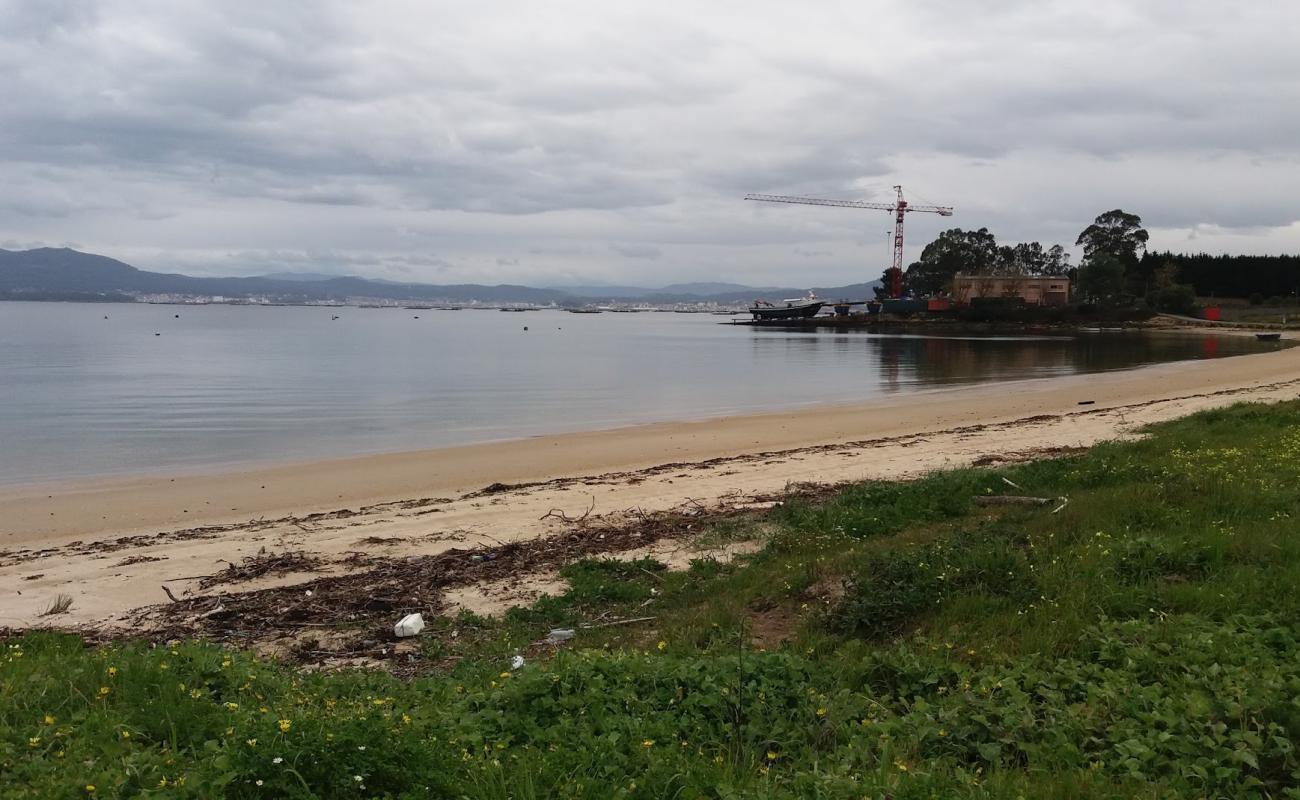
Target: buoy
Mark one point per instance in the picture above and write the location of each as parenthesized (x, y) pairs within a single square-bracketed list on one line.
[(525, 327)]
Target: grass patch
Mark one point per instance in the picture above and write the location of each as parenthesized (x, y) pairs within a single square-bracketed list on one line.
[(1143, 642)]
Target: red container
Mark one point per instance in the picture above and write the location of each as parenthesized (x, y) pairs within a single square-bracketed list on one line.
[(938, 304), (1212, 313)]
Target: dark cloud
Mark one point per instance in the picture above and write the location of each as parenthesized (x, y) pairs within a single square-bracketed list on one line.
[(515, 143)]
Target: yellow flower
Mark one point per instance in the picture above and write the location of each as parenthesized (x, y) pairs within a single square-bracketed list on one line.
[(285, 725), (35, 741), (126, 734), (112, 672), (251, 742), (900, 766), (821, 712), (232, 706), (90, 788), (662, 645), (103, 691), (648, 743), (49, 720), (771, 756)]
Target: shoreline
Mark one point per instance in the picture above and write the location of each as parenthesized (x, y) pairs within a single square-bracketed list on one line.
[(110, 544), (231, 493)]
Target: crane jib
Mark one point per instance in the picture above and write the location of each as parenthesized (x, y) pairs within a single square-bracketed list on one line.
[(900, 207)]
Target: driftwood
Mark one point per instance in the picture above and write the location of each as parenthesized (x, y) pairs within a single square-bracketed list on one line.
[(615, 622), (556, 513), (1011, 500)]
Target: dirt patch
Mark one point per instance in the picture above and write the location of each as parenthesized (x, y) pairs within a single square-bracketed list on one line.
[(770, 629)]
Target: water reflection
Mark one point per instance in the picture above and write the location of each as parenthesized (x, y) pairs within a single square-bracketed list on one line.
[(227, 385), (909, 360)]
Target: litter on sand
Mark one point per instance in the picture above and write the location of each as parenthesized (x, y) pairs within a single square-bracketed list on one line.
[(409, 625)]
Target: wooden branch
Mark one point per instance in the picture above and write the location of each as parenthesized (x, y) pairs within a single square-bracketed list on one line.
[(617, 622), (1011, 500), (556, 513)]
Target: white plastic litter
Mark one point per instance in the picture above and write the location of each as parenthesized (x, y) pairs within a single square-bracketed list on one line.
[(409, 625), (558, 635), (516, 662)]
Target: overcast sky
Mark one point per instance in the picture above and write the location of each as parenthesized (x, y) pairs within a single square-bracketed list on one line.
[(611, 142)]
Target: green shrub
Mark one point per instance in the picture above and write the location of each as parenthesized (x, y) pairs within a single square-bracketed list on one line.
[(892, 591)]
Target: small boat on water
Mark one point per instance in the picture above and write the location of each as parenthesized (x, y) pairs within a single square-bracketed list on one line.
[(1268, 337), (795, 308), (583, 310)]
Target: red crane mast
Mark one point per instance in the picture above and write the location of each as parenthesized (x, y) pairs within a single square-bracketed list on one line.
[(900, 208)]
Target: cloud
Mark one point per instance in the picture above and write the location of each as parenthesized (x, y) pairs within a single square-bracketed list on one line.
[(637, 251), (450, 142)]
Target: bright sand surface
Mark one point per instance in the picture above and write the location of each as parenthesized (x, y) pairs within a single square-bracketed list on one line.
[(110, 544)]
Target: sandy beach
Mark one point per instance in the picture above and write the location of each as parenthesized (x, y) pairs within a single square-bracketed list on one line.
[(113, 544)]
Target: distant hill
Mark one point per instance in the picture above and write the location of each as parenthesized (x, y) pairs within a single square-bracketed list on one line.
[(65, 274), (602, 291), (29, 274), (692, 289), (710, 289), (301, 276)]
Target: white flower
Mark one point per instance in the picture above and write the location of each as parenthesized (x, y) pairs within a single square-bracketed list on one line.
[(259, 781), (361, 747), (356, 778), (276, 760)]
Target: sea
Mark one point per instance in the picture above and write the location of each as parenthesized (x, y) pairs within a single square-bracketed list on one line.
[(89, 390)]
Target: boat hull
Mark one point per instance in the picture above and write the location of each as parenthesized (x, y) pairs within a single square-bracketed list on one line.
[(786, 312)]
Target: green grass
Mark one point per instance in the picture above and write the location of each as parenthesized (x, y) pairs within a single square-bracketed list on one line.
[(894, 640)]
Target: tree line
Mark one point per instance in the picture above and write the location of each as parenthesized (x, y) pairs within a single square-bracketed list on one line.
[(1255, 277), (1116, 267), (978, 253)]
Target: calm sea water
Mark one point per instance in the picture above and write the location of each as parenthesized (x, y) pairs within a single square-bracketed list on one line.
[(81, 395)]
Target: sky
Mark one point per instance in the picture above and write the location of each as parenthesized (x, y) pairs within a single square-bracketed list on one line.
[(558, 143)]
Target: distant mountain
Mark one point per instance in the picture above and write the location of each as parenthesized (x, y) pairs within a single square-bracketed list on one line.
[(41, 273), (603, 291), (65, 274), (709, 289), (301, 276), (692, 289)]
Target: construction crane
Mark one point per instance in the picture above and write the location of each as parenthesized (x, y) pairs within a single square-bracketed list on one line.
[(894, 275)]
